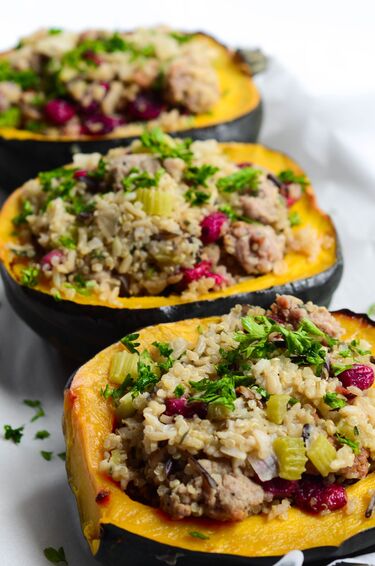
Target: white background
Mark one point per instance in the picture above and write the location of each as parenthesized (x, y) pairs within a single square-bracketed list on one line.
[(319, 95)]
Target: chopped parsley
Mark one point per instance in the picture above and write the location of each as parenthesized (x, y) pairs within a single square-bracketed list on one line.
[(13, 434), (198, 534), (26, 79), (62, 456), (288, 177), (181, 38), (67, 242), (243, 179), (179, 391), (129, 341), (147, 378), (220, 391), (157, 142), (81, 286), (100, 171), (232, 215), (196, 197), (165, 351), (353, 350), (334, 401), (261, 391), (336, 369), (37, 405), (42, 434), (137, 179), (26, 210), (115, 393), (294, 218), (46, 455), (353, 444), (56, 556), (198, 176), (371, 311), (30, 276), (54, 31)]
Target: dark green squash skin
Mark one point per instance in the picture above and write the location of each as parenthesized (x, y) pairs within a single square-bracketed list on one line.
[(21, 160), (82, 330), (121, 548)]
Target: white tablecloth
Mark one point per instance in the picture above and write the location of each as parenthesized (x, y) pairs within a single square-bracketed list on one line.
[(325, 120)]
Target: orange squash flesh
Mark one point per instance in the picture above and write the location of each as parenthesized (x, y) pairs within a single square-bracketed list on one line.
[(88, 419)]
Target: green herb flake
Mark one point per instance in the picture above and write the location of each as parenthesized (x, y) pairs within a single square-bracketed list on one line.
[(353, 444), (261, 391), (26, 79), (62, 456), (37, 405), (100, 171), (54, 31), (294, 218), (137, 179), (336, 369), (356, 431), (196, 197), (371, 311), (288, 177), (246, 178), (198, 534), (147, 378), (181, 38), (10, 118), (26, 210), (30, 276), (155, 141), (115, 393), (46, 455), (198, 176), (13, 434), (56, 556), (67, 242), (334, 401), (129, 341), (42, 434), (179, 391)]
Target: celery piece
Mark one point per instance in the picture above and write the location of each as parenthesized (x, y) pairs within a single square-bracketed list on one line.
[(321, 453), (123, 364), (291, 457), (125, 407), (277, 406), (156, 202)]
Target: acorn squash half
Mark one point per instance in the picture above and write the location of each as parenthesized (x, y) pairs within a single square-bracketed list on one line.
[(235, 117), (122, 531), (84, 326)]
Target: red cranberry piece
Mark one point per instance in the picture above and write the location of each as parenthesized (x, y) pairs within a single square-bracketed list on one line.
[(59, 111), (145, 106), (99, 124), (244, 164), (181, 406), (105, 85), (219, 279), (90, 55), (47, 259), (211, 227), (279, 487), (359, 375), (201, 269), (313, 496), (81, 173)]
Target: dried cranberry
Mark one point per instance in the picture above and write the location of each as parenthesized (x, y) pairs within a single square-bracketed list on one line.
[(81, 173), (219, 279), (181, 406), (47, 259), (59, 111), (99, 124), (244, 164), (145, 106), (359, 375), (91, 109), (313, 496), (90, 55), (105, 85), (279, 487), (102, 498), (201, 269), (211, 227)]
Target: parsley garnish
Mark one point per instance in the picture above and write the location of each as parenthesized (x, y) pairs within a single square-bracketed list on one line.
[(294, 218), (37, 405), (42, 434), (221, 391), (56, 556), (30, 276), (353, 350), (198, 534), (165, 351), (46, 455), (336, 369), (288, 177), (232, 215), (10, 118), (179, 391), (81, 286), (26, 79), (100, 171), (54, 31), (197, 176), (117, 392), (26, 210), (181, 38), (371, 311), (157, 142), (146, 376), (243, 179), (13, 434), (353, 444), (137, 179), (67, 242), (62, 456), (333, 401), (262, 392), (196, 197), (130, 343)]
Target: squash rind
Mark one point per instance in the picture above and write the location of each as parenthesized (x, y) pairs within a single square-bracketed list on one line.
[(123, 522)]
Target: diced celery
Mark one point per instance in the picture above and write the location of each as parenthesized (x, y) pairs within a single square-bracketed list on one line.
[(156, 202), (347, 430), (125, 407), (123, 364), (217, 412), (321, 453), (291, 456), (277, 406)]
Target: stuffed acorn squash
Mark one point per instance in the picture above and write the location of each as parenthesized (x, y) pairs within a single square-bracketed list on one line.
[(63, 92), (229, 438), (159, 231)]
